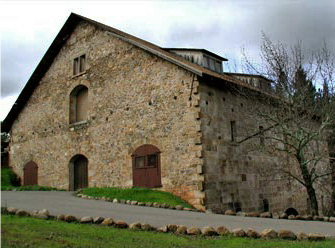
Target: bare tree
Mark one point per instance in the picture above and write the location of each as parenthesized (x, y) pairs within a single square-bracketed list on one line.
[(301, 119)]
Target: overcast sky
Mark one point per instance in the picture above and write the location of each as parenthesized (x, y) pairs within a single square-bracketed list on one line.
[(223, 27)]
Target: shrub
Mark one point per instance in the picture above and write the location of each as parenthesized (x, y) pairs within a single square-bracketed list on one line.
[(9, 178)]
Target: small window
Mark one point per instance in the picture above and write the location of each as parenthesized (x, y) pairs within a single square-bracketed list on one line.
[(152, 160), (261, 135), (79, 65), (206, 64), (212, 64), (82, 63), (233, 130), (244, 177), (218, 66), (75, 66), (139, 162)]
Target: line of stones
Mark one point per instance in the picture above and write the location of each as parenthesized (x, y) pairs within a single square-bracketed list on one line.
[(171, 228), (227, 212), (144, 204), (280, 216)]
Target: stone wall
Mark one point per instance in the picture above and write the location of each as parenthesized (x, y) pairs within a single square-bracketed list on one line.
[(135, 98), (241, 176)]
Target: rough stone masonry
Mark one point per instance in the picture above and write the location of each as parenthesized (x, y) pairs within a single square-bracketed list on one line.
[(137, 98)]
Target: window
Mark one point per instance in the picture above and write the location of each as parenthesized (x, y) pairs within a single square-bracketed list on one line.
[(146, 161), (79, 65), (212, 64), (261, 135), (152, 160), (206, 62), (139, 162), (233, 130), (78, 104), (217, 66)]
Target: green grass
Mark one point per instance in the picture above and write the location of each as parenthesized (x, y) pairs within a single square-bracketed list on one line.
[(136, 194), (10, 181), (34, 233), (30, 188)]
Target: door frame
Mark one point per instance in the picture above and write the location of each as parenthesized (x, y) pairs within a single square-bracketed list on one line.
[(145, 151), (71, 170)]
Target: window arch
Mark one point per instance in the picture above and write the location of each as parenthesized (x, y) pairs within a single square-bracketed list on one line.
[(78, 104)]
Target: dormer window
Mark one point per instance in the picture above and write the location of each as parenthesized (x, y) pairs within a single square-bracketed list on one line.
[(218, 67), (79, 65), (200, 57), (212, 64)]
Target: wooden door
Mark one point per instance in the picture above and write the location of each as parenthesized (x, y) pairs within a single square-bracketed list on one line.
[(146, 167), (30, 173), (80, 173)]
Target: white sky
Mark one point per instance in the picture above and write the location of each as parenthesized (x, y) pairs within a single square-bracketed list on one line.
[(223, 27)]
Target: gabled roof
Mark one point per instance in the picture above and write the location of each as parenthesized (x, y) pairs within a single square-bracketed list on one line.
[(65, 33)]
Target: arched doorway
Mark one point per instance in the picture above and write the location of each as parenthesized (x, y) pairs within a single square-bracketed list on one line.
[(291, 211), (30, 173), (146, 167), (78, 172)]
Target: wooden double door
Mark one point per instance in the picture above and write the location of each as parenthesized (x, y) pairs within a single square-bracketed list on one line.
[(146, 167)]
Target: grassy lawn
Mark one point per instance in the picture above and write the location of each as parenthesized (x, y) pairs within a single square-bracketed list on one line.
[(136, 194), (9, 181), (30, 188), (30, 232)]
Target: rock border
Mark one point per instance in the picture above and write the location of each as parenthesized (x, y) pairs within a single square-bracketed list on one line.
[(170, 228), (136, 203), (254, 214), (280, 216)]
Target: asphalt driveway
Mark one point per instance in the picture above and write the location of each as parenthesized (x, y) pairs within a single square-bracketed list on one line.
[(65, 203)]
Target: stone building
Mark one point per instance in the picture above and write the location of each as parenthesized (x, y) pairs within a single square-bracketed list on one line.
[(105, 108)]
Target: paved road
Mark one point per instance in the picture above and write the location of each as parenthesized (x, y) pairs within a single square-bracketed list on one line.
[(65, 203)]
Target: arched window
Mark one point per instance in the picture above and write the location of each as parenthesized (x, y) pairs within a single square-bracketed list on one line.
[(146, 167), (78, 104)]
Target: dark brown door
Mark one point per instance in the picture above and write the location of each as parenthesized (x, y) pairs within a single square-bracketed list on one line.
[(80, 173), (30, 173), (146, 167)]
